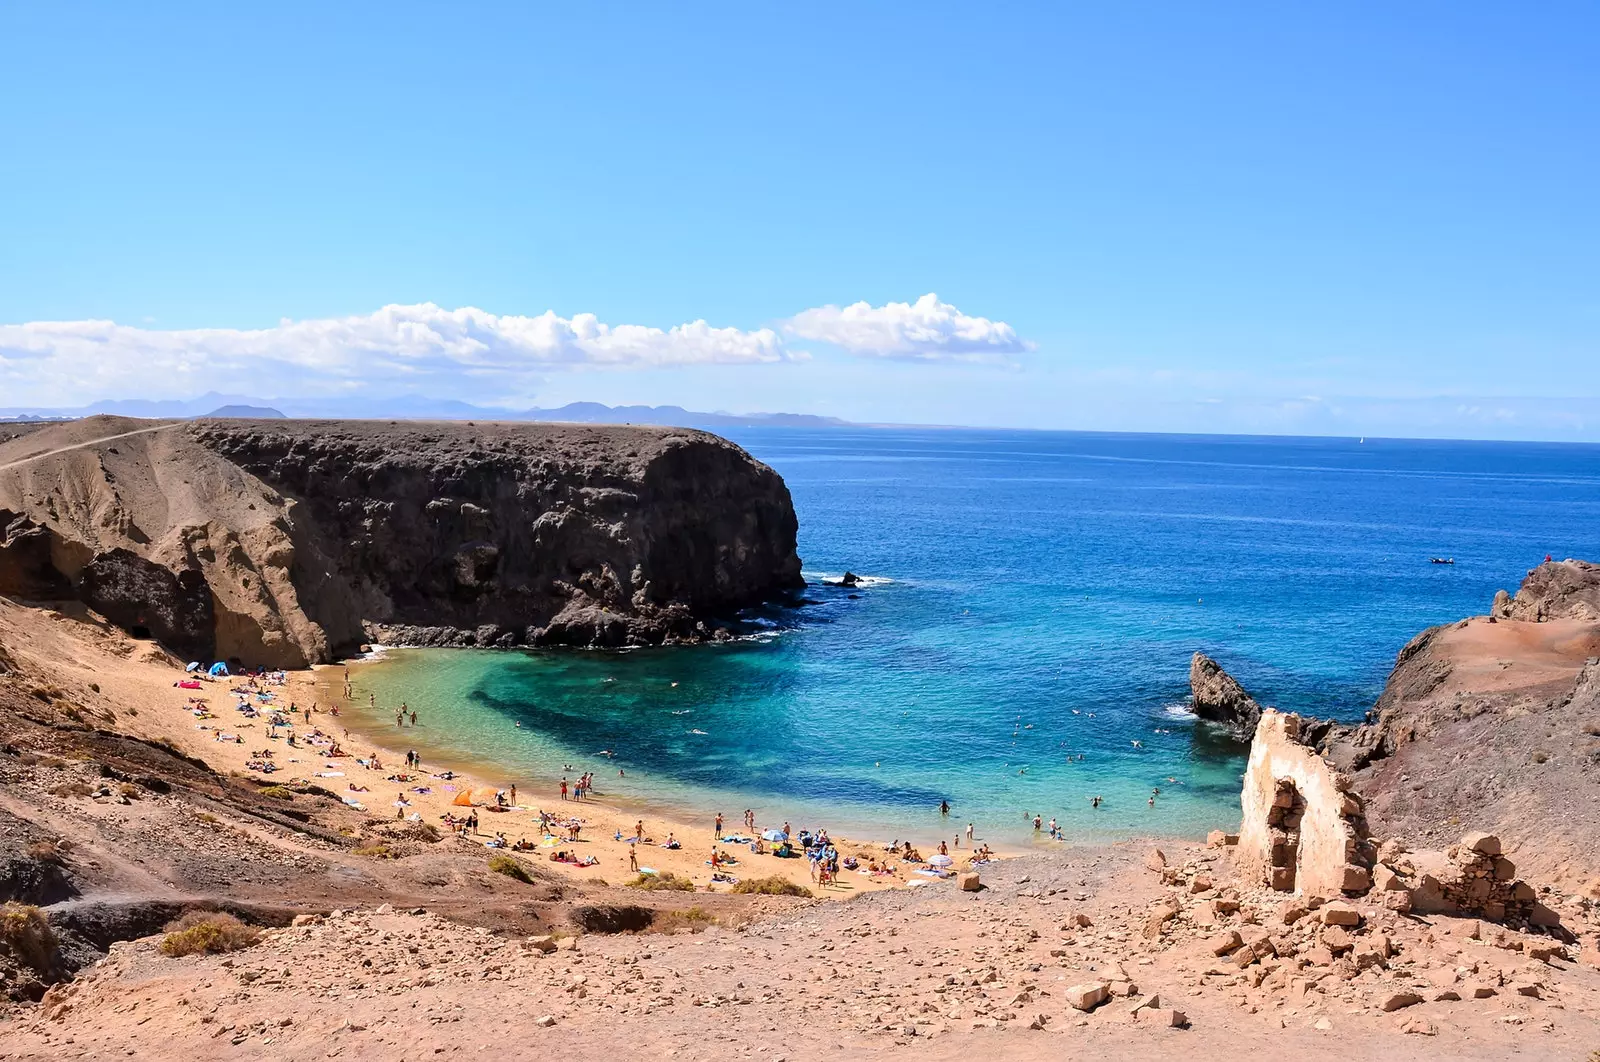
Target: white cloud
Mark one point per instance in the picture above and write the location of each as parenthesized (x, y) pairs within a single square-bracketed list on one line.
[(60, 360), (926, 330)]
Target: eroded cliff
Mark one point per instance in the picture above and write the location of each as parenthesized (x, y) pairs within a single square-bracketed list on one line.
[(285, 542)]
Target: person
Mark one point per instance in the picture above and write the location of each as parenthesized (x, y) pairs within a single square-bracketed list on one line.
[(638, 830), (1038, 821), (563, 789), (969, 833), (413, 717), (719, 826), (513, 794), (671, 842), (633, 859), (944, 807), (943, 849)]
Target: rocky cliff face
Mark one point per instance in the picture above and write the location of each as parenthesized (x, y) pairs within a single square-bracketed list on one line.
[(1215, 695), (1568, 589), (1493, 724), (285, 542)]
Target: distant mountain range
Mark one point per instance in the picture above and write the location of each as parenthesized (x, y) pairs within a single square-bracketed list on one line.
[(416, 407)]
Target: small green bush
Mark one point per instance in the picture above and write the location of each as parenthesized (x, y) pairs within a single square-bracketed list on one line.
[(501, 863), (277, 792), (666, 880), (772, 886), (380, 850), (207, 933)]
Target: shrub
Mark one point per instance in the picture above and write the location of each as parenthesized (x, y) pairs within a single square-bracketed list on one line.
[(207, 933), (693, 919), (380, 850), (26, 933), (665, 880), (772, 886), (277, 792), (72, 789), (501, 863), (46, 852)]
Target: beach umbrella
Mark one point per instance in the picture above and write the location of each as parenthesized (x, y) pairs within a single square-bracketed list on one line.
[(773, 835), (194, 665), (940, 860), (218, 669)]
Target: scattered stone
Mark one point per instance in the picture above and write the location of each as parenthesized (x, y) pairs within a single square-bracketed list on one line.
[(969, 882), (1086, 997), (1393, 1001), (1339, 913)]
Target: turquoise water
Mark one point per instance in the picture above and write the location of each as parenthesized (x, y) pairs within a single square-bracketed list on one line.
[(1036, 598)]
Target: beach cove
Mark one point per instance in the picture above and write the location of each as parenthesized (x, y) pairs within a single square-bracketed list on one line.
[(1020, 643)]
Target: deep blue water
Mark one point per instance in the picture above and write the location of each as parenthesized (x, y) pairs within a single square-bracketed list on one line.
[(1043, 594)]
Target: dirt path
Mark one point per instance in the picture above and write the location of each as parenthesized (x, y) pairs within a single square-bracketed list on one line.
[(87, 443)]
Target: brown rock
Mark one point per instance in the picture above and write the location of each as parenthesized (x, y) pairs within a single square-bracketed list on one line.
[(1155, 859), (1339, 913), (1223, 943), (1392, 1001), (968, 882), (1086, 997), (1482, 843), (1291, 911)]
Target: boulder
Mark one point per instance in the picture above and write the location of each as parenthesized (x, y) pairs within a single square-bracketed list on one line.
[(1215, 695), (1086, 997)]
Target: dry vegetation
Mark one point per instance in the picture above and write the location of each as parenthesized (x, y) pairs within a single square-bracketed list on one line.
[(208, 933), (666, 880), (772, 886)]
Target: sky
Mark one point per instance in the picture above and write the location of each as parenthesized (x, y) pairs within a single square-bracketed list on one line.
[(1359, 218)]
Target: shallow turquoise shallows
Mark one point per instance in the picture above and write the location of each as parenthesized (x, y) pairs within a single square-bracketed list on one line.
[(1034, 602)]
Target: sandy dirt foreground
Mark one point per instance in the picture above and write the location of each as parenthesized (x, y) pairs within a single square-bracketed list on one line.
[(934, 973)]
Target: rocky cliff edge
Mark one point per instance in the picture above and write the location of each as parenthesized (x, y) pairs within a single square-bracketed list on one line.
[(286, 543)]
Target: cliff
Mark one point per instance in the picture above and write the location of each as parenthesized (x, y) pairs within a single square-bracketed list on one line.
[(287, 542), (1493, 724)]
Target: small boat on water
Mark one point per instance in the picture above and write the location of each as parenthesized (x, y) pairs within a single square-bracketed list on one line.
[(1444, 560)]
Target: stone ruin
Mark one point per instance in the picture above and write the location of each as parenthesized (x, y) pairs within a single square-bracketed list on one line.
[(1305, 832)]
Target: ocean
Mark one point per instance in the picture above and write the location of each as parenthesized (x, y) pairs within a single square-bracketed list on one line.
[(1023, 644)]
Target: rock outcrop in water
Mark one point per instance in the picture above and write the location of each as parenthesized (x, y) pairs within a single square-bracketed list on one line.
[(1215, 695), (286, 542)]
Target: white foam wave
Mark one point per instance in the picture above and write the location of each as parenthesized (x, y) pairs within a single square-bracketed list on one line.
[(834, 577)]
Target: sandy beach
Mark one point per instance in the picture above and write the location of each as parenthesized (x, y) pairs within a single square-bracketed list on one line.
[(608, 823), (142, 682)]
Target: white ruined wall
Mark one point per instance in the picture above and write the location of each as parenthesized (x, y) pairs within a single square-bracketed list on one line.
[(1328, 861)]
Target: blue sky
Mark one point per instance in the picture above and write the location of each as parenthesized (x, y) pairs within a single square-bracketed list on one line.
[(1365, 218)]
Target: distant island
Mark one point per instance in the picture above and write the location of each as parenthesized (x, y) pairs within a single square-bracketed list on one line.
[(413, 407)]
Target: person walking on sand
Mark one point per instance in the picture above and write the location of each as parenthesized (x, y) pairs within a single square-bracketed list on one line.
[(633, 859), (513, 794), (969, 834), (719, 826), (563, 789)]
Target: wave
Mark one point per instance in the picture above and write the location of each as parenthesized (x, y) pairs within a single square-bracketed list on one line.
[(1178, 710), (834, 577)]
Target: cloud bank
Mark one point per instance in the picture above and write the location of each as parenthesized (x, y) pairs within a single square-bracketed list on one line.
[(925, 330), (466, 352)]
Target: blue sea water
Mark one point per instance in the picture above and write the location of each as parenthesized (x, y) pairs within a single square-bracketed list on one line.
[(1034, 602)]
